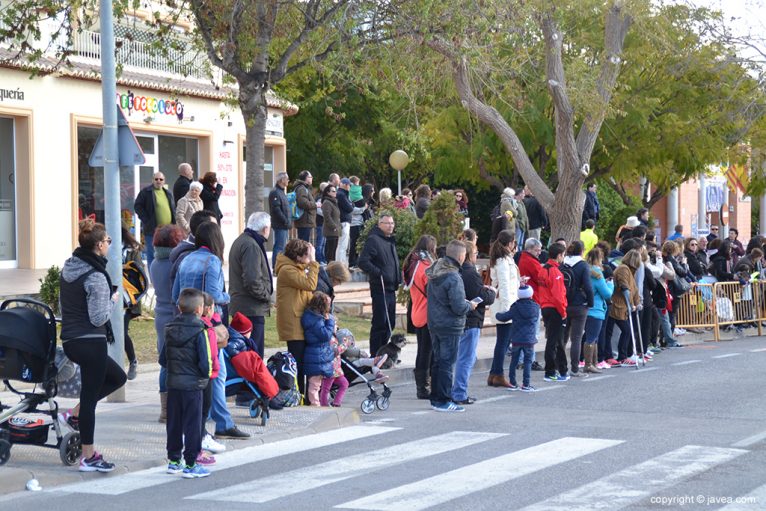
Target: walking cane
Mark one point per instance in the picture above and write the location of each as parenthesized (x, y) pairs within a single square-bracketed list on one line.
[(640, 338), (388, 319), (630, 322)]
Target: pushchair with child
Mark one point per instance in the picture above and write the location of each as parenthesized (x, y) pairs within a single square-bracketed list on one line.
[(27, 355), (258, 388), (356, 364)]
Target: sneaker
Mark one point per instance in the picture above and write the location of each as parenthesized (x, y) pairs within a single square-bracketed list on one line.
[(628, 362), (603, 365), (528, 388), (449, 406), (581, 364), (467, 401), (205, 459), (578, 374), (133, 370), (655, 349), (175, 467), (210, 445), (679, 331), (562, 378), (95, 463), (613, 363), (537, 367), (233, 432), (551, 377), (195, 472), (71, 420), (513, 387), (675, 345)]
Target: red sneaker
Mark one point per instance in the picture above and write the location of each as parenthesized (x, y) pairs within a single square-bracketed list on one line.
[(612, 362)]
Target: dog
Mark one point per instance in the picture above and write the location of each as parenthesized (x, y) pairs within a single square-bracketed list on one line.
[(393, 348)]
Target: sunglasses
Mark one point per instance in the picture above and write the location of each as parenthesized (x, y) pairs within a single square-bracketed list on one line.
[(108, 241)]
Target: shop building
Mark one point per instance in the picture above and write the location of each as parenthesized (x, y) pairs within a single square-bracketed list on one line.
[(49, 125)]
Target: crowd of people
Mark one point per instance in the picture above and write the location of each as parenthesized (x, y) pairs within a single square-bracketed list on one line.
[(579, 290)]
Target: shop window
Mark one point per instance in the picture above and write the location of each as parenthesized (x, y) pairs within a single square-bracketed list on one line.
[(174, 151), (268, 166)]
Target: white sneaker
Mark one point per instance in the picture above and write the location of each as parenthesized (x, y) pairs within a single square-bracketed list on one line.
[(211, 445), (679, 331)]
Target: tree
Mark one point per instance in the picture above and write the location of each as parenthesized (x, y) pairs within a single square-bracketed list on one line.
[(537, 22), (442, 219)]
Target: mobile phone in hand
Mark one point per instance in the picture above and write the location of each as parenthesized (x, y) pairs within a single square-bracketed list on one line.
[(477, 300)]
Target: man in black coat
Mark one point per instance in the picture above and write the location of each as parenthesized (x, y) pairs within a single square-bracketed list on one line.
[(592, 207), (538, 218), (185, 177), (281, 219), (381, 264), (346, 208), (155, 207)]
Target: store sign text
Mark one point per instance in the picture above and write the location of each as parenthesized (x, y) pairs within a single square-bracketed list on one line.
[(151, 105), (11, 94)]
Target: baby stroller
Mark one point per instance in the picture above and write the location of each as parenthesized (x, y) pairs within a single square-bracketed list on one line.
[(352, 372), (259, 405), (27, 354)]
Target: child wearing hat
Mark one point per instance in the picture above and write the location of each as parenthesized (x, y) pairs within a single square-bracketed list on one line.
[(244, 326), (524, 315)]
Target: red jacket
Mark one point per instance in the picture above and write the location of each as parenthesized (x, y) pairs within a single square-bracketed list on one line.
[(529, 266), (213, 340), (552, 291), (249, 365), (418, 290)]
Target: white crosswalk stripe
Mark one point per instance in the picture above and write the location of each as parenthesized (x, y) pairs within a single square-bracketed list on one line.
[(156, 476), (312, 477), (634, 483), (479, 476)]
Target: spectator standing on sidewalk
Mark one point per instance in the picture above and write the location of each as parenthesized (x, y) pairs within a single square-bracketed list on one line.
[(418, 261), (553, 302), (579, 300), (211, 192), (155, 207), (346, 208), (536, 214), (380, 262), (304, 200), (466, 349), (447, 310), (281, 218), (505, 279), (602, 293), (625, 281), (185, 178), (250, 282), (331, 228), (525, 316), (588, 237)]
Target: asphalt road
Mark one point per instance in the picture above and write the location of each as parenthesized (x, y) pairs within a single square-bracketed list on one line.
[(688, 431)]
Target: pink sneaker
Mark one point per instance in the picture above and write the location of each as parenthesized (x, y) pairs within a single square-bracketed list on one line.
[(205, 459), (582, 363), (603, 365)]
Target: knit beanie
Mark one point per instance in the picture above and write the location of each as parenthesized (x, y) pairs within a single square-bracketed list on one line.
[(241, 324), (525, 292)]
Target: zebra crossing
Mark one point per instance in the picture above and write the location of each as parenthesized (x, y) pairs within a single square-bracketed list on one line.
[(451, 473)]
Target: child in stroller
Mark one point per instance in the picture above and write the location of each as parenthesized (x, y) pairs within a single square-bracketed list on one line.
[(356, 363)]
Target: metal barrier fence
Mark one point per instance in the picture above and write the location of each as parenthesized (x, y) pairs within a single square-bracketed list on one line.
[(722, 304)]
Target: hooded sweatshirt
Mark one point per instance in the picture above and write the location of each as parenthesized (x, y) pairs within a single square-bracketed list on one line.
[(447, 306)]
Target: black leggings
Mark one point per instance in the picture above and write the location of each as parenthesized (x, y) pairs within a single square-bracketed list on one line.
[(207, 401), (129, 350), (423, 357), (100, 377), (297, 348)]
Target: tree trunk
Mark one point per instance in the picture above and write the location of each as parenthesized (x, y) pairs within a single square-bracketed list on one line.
[(252, 103)]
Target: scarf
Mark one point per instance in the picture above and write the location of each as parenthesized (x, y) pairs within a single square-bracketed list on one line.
[(261, 243), (98, 263)]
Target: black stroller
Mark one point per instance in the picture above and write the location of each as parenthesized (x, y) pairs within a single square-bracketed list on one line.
[(27, 354)]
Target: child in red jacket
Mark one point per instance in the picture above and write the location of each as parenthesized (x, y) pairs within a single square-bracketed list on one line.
[(553, 302)]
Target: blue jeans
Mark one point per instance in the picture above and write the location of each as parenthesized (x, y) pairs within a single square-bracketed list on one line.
[(517, 351), (280, 240), (218, 410), (442, 362), (319, 243), (163, 379), (466, 358), (593, 329), (667, 332), (519, 239), (149, 249), (304, 233), (501, 347)]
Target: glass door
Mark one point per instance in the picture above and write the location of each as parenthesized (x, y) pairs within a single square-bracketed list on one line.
[(7, 194)]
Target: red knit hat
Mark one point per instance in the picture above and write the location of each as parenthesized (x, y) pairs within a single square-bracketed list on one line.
[(241, 324)]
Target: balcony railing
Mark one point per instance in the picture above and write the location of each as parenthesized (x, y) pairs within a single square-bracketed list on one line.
[(139, 56)]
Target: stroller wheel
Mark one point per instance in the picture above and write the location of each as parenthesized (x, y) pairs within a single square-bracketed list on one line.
[(382, 403), (255, 409), (368, 406), (70, 448), (5, 451)]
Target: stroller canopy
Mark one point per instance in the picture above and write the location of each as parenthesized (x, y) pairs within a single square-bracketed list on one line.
[(26, 330)]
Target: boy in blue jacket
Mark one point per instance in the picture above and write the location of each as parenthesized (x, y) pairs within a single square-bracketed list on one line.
[(524, 314), (186, 355)]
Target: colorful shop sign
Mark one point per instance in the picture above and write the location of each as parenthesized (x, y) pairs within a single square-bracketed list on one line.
[(151, 105)]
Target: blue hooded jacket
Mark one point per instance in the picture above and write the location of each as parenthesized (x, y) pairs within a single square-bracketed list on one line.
[(319, 355), (524, 315), (602, 293)]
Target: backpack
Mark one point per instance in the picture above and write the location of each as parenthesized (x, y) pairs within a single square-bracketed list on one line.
[(284, 369), (134, 283), (292, 204), (495, 214), (569, 279)]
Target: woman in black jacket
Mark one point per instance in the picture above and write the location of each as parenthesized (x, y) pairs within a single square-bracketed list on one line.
[(691, 247), (466, 354), (720, 263), (211, 192)]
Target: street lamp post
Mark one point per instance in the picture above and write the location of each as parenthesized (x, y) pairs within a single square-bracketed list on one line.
[(399, 160)]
